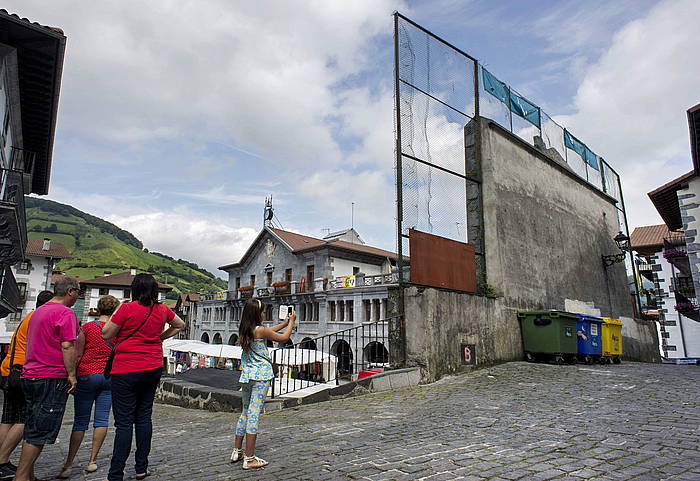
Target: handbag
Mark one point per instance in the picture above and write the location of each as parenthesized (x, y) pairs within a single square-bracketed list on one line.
[(13, 380), (110, 359)]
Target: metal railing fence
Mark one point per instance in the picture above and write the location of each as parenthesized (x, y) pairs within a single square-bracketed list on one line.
[(330, 358)]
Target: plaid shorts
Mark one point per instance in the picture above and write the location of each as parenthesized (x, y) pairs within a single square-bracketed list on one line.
[(14, 407)]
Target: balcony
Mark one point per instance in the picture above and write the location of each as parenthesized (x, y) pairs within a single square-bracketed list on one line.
[(679, 258), (13, 224), (10, 298), (23, 161)]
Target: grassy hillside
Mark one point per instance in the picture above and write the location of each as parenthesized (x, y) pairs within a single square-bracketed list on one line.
[(98, 246)]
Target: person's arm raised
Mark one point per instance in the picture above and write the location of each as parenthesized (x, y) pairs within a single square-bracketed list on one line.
[(271, 335)]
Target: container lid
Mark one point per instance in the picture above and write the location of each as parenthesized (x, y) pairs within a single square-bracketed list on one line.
[(548, 313), (610, 320), (590, 318)]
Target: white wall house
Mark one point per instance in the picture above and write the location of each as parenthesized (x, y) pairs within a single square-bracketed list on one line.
[(34, 274), (117, 285)]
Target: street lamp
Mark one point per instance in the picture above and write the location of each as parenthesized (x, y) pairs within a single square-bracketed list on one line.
[(623, 243)]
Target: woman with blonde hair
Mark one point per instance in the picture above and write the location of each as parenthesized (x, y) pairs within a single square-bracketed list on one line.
[(256, 373), (93, 388)]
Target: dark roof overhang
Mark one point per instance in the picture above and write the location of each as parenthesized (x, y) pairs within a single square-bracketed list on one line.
[(665, 200), (694, 127), (40, 52)]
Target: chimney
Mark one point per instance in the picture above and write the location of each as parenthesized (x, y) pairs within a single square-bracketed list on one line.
[(107, 273), (47, 244), (133, 271)]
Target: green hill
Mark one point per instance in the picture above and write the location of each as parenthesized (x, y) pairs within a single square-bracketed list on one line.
[(98, 246)]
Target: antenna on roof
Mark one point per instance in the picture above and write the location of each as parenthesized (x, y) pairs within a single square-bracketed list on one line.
[(269, 212), (352, 215)]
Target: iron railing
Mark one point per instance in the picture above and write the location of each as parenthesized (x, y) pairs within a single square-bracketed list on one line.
[(331, 358)]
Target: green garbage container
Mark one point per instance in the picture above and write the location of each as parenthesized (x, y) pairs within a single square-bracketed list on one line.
[(549, 335)]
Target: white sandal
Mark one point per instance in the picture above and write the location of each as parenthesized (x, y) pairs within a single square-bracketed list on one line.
[(236, 455), (253, 462)]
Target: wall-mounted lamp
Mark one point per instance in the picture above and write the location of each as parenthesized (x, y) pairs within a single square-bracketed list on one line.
[(623, 243)]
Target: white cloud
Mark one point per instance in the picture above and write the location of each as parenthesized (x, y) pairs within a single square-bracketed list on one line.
[(184, 235), (631, 103)]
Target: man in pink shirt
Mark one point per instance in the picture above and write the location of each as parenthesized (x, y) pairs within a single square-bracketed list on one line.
[(49, 372)]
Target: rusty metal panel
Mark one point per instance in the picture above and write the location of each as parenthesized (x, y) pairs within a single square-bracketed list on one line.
[(441, 262)]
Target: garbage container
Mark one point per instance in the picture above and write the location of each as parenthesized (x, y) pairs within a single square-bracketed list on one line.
[(549, 335), (612, 340), (589, 333)]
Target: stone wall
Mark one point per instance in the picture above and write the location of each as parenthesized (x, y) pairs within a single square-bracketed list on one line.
[(544, 232)]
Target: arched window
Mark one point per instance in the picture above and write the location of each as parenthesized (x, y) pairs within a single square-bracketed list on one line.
[(342, 350), (308, 343), (205, 338), (376, 353), (232, 340), (217, 338)]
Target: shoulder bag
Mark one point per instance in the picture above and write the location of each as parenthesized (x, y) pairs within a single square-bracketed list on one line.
[(110, 360), (12, 381)]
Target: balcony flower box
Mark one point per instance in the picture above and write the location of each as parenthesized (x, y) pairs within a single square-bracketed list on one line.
[(673, 253), (282, 287), (686, 307), (245, 291)]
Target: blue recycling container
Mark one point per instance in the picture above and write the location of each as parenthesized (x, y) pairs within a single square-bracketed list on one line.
[(589, 332)]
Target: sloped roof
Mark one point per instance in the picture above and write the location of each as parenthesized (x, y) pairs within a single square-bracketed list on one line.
[(35, 247), (694, 126), (122, 279), (649, 237), (665, 199), (299, 243)]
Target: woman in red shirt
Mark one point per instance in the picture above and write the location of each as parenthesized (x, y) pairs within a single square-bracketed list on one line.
[(93, 388), (137, 332)]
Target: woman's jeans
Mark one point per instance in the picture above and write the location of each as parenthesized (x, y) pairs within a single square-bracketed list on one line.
[(132, 403), (92, 389)]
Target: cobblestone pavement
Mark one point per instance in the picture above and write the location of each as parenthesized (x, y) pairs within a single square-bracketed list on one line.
[(513, 421)]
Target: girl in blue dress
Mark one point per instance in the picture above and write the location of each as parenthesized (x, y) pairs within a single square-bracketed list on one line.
[(256, 374)]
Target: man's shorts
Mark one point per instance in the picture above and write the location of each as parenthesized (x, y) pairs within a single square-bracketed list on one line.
[(13, 406), (46, 404)]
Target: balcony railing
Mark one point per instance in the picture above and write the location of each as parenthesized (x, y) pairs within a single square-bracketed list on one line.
[(23, 161), (329, 358), (13, 224)]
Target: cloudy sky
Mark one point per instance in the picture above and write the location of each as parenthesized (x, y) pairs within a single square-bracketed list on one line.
[(178, 118)]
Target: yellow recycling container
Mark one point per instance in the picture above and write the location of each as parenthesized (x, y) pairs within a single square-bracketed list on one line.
[(612, 340)]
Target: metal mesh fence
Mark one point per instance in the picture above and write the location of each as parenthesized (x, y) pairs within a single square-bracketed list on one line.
[(435, 100), (439, 89)]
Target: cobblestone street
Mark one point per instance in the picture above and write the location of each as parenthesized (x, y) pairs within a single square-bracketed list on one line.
[(514, 421)]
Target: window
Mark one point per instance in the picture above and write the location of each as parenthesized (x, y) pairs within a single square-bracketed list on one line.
[(331, 311), (309, 278), (315, 312), (665, 334), (355, 270), (22, 286), (269, 279), (341, 311), (103, 291), (288, 275), (302, 314), (351, 310), (24, 265), (367, 310), (377, 309), (127, 293), (252, 279)]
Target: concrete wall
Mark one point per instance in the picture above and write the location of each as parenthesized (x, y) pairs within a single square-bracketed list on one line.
[(545, 230), (439, 321)]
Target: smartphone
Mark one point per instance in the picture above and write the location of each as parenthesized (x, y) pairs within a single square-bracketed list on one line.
[(284, 312)]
